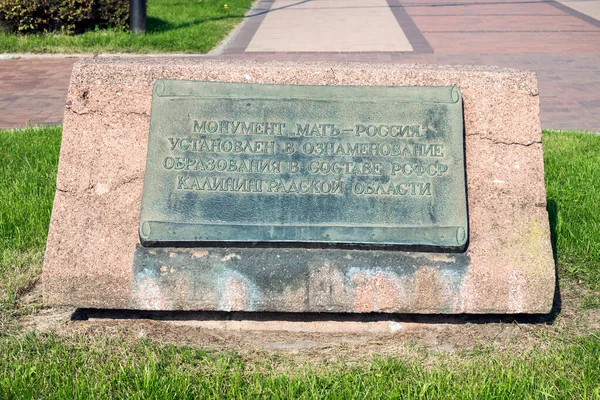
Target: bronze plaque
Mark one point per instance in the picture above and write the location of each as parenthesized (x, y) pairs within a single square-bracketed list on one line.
[(238, 162)]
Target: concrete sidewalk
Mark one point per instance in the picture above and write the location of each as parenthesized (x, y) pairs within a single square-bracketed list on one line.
[(560, 43)]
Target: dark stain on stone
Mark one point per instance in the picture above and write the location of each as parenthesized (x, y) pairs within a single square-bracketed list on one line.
[(185, 279)]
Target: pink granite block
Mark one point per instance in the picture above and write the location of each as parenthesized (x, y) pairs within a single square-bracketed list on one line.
[(93, 239)]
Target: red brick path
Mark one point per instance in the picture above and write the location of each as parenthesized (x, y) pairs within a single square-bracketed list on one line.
[(560, 44), (33, 91)]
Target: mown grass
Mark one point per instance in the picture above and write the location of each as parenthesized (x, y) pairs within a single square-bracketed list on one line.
[(572, 169), (52, 366), (48, 366), (182, 26), (29, 159)]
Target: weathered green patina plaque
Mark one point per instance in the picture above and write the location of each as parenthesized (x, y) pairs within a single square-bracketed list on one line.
[(281, 163)]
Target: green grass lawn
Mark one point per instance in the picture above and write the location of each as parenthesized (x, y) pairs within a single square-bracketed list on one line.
[(29, 159), (47, 366), (572, 169), (567, 366), (180, 26)]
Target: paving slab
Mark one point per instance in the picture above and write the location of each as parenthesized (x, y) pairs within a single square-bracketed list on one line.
[(329, 25), (591, 8)]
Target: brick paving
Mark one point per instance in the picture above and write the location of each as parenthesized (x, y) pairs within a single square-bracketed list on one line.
[(561, 44), (33, 91)]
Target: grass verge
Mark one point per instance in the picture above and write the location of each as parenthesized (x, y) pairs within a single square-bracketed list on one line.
[(572, 170), (79, 366), (27, 182), (47, 366), (184, 26)]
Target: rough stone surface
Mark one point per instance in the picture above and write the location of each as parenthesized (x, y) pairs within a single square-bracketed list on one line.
[(93, 239)]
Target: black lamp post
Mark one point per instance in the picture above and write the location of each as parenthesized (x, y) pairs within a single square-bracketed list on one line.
[(137, 16)]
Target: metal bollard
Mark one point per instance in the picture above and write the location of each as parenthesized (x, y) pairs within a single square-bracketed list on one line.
[(137, 16)]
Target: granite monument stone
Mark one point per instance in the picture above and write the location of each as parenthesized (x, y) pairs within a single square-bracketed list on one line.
[(300, 187)]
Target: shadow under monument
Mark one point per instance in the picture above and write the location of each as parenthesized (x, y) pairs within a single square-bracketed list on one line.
[(82, 314)]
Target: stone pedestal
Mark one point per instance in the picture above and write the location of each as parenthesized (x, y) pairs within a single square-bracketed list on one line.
[(94, 258)]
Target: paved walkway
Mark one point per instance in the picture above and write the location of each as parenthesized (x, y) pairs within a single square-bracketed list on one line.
[(558, 40), (33, 91)]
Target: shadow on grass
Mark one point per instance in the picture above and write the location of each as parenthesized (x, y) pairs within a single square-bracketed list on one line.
[(157, 25), (552, 209), (83, 314)]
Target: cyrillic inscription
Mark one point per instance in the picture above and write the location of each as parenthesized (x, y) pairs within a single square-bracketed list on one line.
[(239, 162)]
